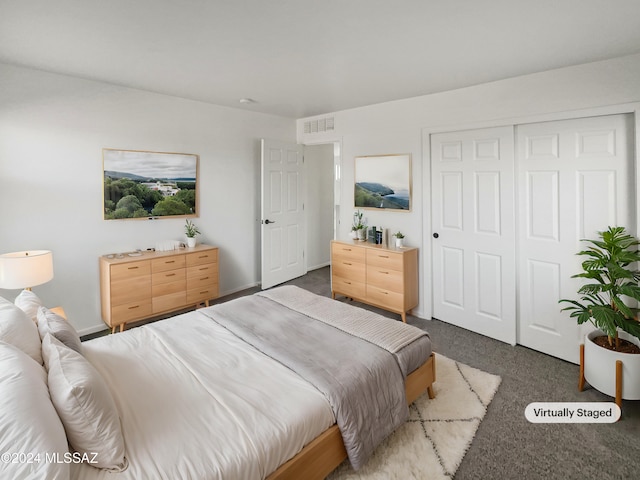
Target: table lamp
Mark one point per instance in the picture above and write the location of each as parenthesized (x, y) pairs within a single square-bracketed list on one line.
[(20, 270)]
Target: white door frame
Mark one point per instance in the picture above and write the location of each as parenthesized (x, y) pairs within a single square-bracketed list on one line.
[(427, 228)]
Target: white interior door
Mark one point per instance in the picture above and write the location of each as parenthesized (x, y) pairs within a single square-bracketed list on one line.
[(474, 273), (575, 179), (283, 219)]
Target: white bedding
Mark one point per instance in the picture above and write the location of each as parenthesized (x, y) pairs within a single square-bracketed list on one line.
[(197, 402)]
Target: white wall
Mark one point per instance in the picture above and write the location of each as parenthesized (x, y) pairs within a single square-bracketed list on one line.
[(318, 160), (52, 131), (403, 127)]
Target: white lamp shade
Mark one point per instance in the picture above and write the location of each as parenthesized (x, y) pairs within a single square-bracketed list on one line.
[(25, 269)]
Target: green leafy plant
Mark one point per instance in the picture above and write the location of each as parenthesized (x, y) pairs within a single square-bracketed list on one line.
[(610, 270), (357, 221), (190, 229), (398, 234)]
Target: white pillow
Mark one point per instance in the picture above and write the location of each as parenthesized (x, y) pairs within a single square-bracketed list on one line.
[(50, 322), (29, 425), (16, 329), (85, 405), (29, 303)]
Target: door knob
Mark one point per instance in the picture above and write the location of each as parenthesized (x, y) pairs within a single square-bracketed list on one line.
[(435, 235), (267, 221)]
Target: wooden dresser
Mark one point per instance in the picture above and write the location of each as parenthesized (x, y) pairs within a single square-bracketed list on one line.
[(134, 288), (385, 277)]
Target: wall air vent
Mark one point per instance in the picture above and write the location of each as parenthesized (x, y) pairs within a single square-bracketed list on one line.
[(319, 125)]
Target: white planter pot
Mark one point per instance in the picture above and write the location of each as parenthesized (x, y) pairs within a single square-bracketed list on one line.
[(600, 367), (399, 242), (191, 242), (361, 234)]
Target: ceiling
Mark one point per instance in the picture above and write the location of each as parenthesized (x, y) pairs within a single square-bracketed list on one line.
[(299, 58)]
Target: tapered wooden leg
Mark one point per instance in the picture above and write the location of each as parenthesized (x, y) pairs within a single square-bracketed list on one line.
[(581, 380), (113, 329), (404, 317), (430, 392), (122, 327), (619, 383)]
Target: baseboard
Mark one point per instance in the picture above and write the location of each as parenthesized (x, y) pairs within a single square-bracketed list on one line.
[(92, 330)]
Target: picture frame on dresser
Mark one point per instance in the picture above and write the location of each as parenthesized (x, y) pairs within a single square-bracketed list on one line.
[(141, 184), (383, 182)]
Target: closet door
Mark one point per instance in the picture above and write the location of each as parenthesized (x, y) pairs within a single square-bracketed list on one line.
[(575, 179), (474, 277)]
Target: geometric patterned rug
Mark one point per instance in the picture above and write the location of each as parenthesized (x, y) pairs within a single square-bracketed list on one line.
[(433, 442)]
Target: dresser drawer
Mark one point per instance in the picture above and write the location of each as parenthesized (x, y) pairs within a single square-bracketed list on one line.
[(385, 259), (168, 276), (341, 251), (385, 298), (348, 269), (199, 258), (130, 290), (158, 290), (131, 269), (130, 311), (197, 295), (167, 263), (202, 281), (348, 287), (172, 301), (385, 278), (202, 270)]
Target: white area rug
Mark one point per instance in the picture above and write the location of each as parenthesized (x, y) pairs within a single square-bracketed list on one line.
[(433, 442)]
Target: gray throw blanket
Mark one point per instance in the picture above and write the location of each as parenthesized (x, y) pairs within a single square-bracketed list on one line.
[(362, 382)]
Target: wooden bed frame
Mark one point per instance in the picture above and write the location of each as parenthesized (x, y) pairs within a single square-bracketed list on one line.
[(323, 454)]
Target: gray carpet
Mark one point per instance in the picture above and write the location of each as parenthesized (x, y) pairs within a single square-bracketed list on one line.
[(506, 446)]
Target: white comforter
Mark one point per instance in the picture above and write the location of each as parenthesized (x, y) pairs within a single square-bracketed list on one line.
[(196, 402)]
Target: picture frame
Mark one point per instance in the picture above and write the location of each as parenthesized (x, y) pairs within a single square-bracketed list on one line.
[(140, 184), (383, 182)]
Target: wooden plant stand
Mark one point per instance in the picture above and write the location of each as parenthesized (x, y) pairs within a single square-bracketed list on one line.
[(618, 377)]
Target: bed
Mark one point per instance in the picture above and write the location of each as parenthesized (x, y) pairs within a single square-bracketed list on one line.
[(246, 389)]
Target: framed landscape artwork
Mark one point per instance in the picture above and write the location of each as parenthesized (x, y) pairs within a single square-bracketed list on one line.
[(383, 182), (139, 184)]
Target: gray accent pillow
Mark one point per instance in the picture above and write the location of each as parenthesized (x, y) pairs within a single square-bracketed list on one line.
[(58, 327)]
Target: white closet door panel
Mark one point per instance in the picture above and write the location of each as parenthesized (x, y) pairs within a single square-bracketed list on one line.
[(574, 179), (473, 217)]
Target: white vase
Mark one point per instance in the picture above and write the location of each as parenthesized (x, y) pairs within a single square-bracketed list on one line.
[(399, 242), (600, 367), (361, 234), (191, 242)]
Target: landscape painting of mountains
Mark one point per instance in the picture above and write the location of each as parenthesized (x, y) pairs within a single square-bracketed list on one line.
[(141, 184), (383, 182)]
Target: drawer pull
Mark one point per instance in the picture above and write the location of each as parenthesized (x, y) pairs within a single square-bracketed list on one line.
[(170, 261), (386, 273), (206, 291), (348, 283), (204, 278), (135, 306), (204, 268), (132, 268), (347, 263), (386, 293), (170, 275), (383, 256), (346, 249), (203, 256)]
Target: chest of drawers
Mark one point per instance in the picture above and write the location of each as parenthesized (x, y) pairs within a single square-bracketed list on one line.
[(155, 283), (383, 277)]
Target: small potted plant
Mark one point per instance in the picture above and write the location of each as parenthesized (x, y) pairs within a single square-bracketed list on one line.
[(399, 239), (358, 225), (610, 270), (191, 231)]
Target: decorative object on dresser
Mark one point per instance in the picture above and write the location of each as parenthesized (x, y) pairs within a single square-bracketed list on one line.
[(399, 239), (155, 283), (191, 231), (384, 277), (26, 269)]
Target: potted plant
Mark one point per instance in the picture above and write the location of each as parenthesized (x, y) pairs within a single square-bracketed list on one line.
[(191, 231), (611, 274), (358, 225), (399, 239)]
